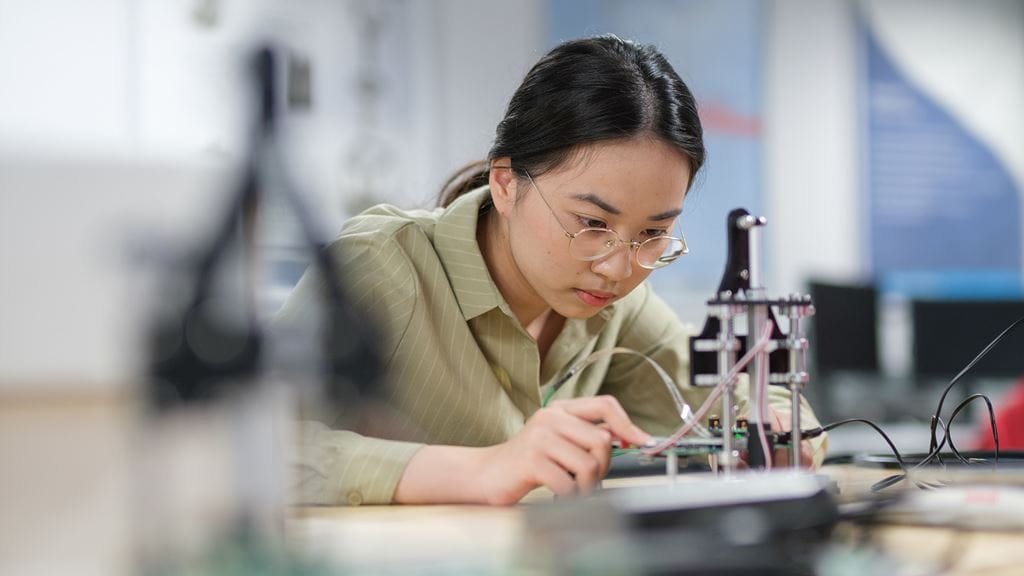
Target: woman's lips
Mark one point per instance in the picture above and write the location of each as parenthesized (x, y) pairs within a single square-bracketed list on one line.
[(596, 299)]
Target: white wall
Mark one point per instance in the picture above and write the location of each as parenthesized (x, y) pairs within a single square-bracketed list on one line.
[(471, 55), (63, 72), (120, 122), (810, 143), (123, 118)]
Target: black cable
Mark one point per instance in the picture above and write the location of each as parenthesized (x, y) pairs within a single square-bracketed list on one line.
[(892, 446), (952, 447), (936, 421), (895, 479), (986, 350), (786, 438), (934, 454), (992, 421), (885, 482)]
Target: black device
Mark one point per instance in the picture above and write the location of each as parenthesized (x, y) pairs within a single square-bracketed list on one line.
[(948, 332), (844, 328)]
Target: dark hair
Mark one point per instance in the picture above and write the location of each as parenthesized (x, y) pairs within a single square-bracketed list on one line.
[(585, 91)]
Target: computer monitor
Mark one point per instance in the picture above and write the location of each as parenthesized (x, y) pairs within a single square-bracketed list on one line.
[(844, 328), (949, 333)]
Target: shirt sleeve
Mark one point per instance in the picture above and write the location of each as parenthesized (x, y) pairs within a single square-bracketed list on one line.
[(653, 328), (336, 466)]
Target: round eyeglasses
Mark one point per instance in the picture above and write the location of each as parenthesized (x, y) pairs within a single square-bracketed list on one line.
[(592, 244)]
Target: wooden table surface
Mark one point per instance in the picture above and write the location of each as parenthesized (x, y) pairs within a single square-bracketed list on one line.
[(486, 540)]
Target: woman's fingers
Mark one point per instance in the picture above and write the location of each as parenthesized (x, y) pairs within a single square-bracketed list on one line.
[(566, 446), (595, 440), (575, 460), (608, 410), (550, 474)]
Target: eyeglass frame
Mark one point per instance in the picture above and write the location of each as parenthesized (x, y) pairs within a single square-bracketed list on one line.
[(632, 245)]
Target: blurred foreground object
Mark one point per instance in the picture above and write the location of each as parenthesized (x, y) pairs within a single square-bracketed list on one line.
[(754, 523), (222, 389)]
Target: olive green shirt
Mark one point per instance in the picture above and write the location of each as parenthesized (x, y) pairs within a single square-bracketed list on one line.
[(461, 368)]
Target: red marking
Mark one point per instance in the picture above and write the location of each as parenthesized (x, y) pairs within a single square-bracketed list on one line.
[(987, 497), (716, 117)]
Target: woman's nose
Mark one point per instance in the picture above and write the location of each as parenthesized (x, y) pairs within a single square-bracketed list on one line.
[(618, 265)]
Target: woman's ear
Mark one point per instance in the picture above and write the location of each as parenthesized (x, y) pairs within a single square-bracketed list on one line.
[(503, 184)]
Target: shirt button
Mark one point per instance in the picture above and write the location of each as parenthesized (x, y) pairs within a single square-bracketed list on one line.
[(355, 498)]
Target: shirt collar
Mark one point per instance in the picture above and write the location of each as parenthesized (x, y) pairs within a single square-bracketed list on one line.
[(455, 241)]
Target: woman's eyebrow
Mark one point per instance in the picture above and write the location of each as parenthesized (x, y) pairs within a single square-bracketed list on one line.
[(597, 201), (666, 215)]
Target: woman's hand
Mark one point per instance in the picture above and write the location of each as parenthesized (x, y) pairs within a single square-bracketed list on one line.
[(781, 422), (565, 447)]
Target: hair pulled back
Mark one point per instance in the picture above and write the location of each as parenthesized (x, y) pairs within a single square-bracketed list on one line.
[(585, 91)]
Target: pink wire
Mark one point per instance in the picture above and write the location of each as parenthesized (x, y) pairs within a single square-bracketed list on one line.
[(758, 347), (762, 378)]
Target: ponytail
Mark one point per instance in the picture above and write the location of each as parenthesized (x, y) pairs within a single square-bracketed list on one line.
[(469, 177)]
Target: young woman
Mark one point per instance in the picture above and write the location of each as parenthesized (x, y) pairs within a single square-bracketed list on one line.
[(536, 259)]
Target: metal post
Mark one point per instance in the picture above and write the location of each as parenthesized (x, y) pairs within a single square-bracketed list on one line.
[(796, 367), (726, 359), (757, 317), (799, 308)]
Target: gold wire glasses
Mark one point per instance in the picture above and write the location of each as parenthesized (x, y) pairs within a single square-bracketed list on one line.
[(591, 244)]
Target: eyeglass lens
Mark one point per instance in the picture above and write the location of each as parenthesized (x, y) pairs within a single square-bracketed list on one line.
[(591, 244)]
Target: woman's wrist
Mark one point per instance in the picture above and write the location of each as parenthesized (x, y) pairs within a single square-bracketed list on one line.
[(443, 475)]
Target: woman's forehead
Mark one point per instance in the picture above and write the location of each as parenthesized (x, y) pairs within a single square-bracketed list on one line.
[(643, 177)]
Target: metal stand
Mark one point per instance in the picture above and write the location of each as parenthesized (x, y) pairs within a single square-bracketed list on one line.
[(798, 307), (783, 362)]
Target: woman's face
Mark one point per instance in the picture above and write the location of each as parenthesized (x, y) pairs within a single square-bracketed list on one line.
[(635, 187)]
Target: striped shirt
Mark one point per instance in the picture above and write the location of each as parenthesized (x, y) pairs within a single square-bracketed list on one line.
[(461, 368)]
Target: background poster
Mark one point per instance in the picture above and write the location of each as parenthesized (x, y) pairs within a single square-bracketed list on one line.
[(944, 212)]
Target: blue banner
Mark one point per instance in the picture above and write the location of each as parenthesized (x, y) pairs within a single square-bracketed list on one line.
[(944, 212)]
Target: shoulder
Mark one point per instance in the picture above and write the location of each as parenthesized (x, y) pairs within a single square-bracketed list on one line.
[(377, 255), (381, 254), (385, 223), (380, 240)]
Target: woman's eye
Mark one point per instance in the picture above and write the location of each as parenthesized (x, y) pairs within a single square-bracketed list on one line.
[(653, 232), (590, 222)]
